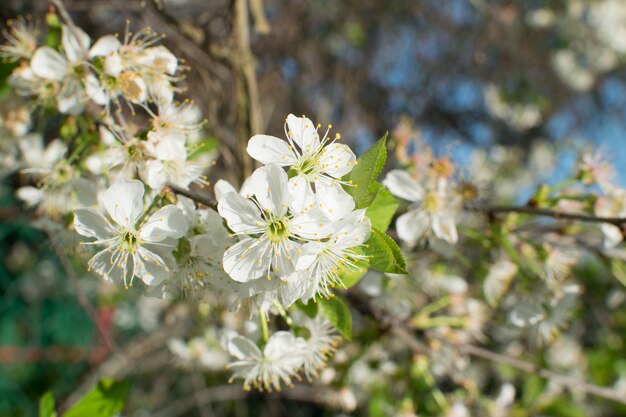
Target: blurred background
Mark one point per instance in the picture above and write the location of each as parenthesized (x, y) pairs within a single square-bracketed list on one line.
[(534, 79)]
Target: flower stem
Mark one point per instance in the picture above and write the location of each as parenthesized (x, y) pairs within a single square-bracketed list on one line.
[(263, 322)]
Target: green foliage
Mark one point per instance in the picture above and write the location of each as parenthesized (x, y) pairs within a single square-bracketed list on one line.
[(385, 255), (338, 314), (309, 309), (365, 173), (382, 208), (106, 400), (46, 406)]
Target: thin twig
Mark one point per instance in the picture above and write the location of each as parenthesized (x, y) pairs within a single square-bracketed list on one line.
[(406, 333), (82, 297), (205, 200), (558, 215)]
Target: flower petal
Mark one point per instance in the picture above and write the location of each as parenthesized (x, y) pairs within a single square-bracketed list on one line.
[(104, 46), (445, 228), (312, 224), (89, 222), (412, 226), (150, 267), (337, 160), (402, 185), (333, 200), (302, 195), (169, 221), (240, 213), (124, 201), (113, 266), (247, 260), (48, 64), (270, 188), (75, 48), (302, 130), (271, 150)]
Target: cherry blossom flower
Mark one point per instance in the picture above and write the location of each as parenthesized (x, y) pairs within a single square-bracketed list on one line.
[(322, 262), (273, 233), (133, 246), (265, 370), (433, 209), (318, 162)]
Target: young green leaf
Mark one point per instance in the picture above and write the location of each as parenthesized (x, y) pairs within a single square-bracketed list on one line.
[(385, 255), (309, 309), (338, 314), (382, 208), (366, 171), (106, 400), (46, 405)]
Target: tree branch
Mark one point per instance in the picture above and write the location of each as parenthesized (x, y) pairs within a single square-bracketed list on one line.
[(205, 200), (555, 214), (404, 331), (82, 298)]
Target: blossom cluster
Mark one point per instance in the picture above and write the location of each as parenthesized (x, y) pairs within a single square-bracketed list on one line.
[(126, 146)]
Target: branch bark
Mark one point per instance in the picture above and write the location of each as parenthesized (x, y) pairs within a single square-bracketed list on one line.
[(555, 214), (404, 331)]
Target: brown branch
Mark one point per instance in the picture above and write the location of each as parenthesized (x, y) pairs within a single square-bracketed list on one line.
[(246, 82), (82, 297), (404, 331), (555, 214), (205, 200)]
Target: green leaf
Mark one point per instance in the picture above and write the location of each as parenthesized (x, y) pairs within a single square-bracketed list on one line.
[(338, 314), (365, 172), (382, 208), (106, 400), (385, 254), (309, 309), (351, 276), (46, 406)]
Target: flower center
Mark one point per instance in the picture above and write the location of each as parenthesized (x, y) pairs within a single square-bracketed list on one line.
[(277, 230), (129, 238), (431, 202), (308, 166)]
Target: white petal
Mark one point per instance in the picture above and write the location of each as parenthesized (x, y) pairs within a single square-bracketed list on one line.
[(282, 346), (312, 224), (168, 221), (309, 255), (270, 150), (412, 226), (95, 90), (104, 46), (242, 348), (445, 228), (337, 160), (154, 174), (102, 264), (124, 201), (402, 185), (247, 260), (221, 188), (162, 59), (71, 99), (54, 152), (49, 64), (240, 213), (113, 65), (30, 195), (304, 133), (333, 200), (90, 223), (270, 188), (150, 267), (302, 195), (75, 48), (284, 260)]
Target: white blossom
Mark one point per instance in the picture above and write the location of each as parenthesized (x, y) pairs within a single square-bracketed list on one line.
[(133, 246)]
